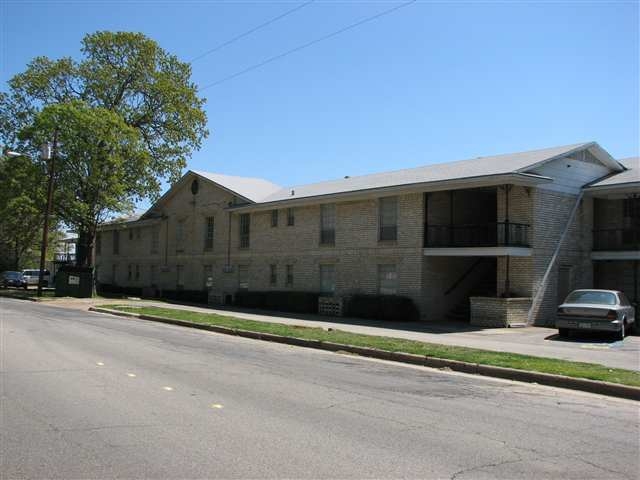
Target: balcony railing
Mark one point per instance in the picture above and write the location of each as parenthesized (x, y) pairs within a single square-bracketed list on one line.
[(500, 234), (64, 258), (616, 239)]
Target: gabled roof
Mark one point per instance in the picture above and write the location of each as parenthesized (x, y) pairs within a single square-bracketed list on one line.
[(629, 176), (512, 163), (252, 189)]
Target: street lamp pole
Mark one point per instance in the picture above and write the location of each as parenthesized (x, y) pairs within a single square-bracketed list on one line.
[(47, 153)]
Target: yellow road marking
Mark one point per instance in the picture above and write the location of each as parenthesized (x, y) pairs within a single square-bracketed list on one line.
[(168, 389), (216, 405), (100, 364), (132, 375)]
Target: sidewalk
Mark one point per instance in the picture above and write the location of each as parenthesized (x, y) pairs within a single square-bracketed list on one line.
[(537, 341)]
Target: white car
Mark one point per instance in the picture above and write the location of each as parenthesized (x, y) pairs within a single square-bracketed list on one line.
[(596, 310), (31, 276)]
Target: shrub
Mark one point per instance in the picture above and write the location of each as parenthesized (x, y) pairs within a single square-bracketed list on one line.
[(284, 301), (382, 307)]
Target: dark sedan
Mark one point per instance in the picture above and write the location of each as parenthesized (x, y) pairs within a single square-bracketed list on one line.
[(12, 279)]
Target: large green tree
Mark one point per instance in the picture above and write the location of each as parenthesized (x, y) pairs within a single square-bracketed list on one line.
[(127, 117)]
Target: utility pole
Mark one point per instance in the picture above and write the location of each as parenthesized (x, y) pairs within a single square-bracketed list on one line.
[(47, 153)]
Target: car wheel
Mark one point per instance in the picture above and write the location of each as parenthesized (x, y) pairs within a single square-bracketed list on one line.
[(621, 334), (563, 332)]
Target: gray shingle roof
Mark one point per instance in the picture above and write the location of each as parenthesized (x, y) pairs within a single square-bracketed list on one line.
[(476, 167), (631, 175), (254, 189)]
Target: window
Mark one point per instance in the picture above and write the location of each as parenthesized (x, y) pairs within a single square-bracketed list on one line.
[(155, 239), (328, 224), (208, 233), (207, 271), (291, 219), (328, 278), (273, 274), (98, 243), (388, 218), (387, 280), (129, 272), (116, 242), (289, 278), (245, 220), (114, 271), (138, 233), (180, 276), (131, 234), (631, 218), (243, 277), (180, 236), (274, 218), (137, 272), (153, 274)]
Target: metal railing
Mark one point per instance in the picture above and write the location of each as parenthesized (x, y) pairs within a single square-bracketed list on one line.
[(496, 234), (616, 239)]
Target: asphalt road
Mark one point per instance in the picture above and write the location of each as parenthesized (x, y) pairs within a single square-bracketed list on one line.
[(86, 395)]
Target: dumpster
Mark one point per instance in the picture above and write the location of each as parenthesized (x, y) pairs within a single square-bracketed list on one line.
[(74, 281)]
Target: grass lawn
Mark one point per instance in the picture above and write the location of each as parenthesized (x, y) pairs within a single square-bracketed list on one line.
[(485, 357)]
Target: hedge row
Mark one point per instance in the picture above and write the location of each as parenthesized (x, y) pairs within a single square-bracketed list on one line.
[(297, 302), (191, 296)]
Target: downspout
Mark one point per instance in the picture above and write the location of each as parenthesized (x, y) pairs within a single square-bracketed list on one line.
[(536, 299)]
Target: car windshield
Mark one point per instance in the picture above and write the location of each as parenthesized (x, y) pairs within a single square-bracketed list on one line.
[(591, 296)]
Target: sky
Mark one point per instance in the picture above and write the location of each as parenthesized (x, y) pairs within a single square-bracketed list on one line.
[(429, 82)]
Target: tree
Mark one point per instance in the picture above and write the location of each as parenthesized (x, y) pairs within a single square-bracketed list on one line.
[(145, 119), (21, 207)]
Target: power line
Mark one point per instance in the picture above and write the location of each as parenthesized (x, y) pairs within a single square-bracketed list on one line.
[(308, 44), (249, 32)]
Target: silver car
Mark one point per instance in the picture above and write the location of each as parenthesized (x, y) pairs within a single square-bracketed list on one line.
[(596, 310)]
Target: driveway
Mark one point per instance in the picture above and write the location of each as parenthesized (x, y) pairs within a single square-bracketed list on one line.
[(537, 341)]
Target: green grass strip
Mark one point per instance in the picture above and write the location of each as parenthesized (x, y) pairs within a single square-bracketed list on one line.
[(485, 357)]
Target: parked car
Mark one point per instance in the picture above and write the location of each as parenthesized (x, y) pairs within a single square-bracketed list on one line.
[(12, 279), (596, 310), (31, 276)]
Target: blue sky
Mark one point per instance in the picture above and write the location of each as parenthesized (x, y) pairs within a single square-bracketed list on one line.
[(430, 82)]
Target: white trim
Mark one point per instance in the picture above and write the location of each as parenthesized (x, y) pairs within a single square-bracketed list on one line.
[(616, 255), (477, 252)]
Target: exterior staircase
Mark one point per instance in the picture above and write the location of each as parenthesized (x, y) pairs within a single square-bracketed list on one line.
[(462, 311)]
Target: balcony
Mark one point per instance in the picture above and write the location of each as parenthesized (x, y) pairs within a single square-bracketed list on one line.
[(497, 234), (616, 239), (64, 258)]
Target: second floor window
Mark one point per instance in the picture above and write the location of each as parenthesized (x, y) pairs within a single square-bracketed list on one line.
[(291, 219), (208, 233), (328, 224), (116, 242), (155, 239), (274, 218), (245, 226), (388, 218), (180, 236)]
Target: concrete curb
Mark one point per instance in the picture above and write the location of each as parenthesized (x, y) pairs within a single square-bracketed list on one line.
[(561, 381)]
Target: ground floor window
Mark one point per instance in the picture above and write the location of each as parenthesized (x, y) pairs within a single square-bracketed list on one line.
[(137, 272), (328, 279), (180, 276), (273, 274), (153, 274), (114, 271), (243, 277), (289, 282), (130, 272), (387, 279), (207, 271)]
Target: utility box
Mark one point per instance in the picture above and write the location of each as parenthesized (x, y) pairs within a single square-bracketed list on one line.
[(74, 281)]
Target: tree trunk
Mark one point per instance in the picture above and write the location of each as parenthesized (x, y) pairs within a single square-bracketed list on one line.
[(84, 248)]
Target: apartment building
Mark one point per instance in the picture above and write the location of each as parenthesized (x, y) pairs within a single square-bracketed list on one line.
[(494, 240)]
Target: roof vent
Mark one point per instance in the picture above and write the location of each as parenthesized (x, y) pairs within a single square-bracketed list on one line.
[(293, 192)]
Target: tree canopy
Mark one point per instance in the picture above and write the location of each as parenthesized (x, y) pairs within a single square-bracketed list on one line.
[(127, 117)]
